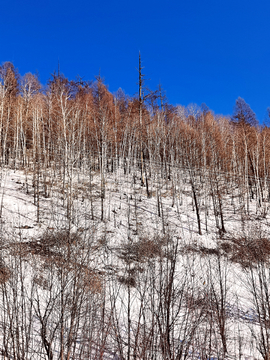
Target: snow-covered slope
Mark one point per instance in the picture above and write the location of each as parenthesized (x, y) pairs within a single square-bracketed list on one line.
[(120, 270)]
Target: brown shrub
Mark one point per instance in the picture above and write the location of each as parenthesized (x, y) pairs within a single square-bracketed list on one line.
[(4, 273), (92, 281), (200, 249), (246, 251), (127, 280), (142, 250)]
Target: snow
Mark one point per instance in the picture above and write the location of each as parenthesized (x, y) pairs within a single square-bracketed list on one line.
[(130, 216)]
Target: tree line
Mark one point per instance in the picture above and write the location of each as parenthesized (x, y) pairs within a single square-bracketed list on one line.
[(70, 121)]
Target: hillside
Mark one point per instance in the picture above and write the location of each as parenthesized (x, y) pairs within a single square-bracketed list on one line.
[(74, 282), (130, 229)]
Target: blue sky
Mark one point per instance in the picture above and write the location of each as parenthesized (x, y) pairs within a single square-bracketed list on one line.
[(199, 50)]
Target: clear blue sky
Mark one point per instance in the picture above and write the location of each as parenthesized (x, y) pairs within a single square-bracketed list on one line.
[(200, 50)]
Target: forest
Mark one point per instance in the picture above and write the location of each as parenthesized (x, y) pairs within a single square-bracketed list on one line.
[(130, 228)]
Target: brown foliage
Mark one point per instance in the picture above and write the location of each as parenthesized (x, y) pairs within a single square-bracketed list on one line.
[(246, 251), (143, 250), (4, 273)]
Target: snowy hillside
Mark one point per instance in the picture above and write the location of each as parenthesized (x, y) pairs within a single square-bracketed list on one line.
[(130, 228), (141, 282)]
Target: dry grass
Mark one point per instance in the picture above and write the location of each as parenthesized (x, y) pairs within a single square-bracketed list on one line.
[(200, 249), (52, 246), (142, 250), (246, 251), (59, 250)]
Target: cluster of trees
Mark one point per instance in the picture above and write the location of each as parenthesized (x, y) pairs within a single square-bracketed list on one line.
[(79, 118), (170, 301), (70, 124)]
